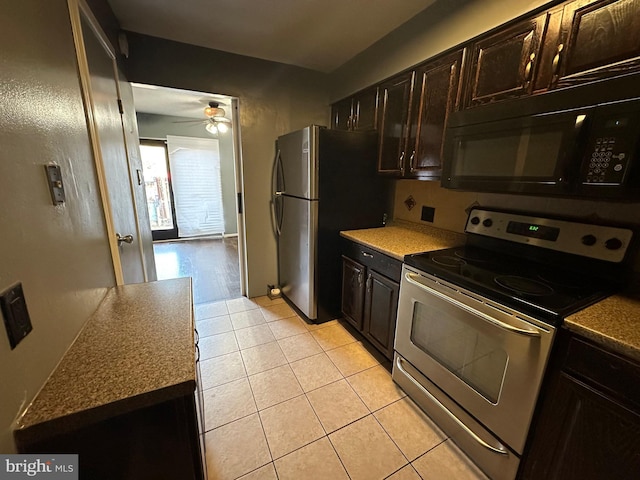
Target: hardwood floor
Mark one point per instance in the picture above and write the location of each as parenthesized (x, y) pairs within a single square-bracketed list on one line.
[(213, 265)]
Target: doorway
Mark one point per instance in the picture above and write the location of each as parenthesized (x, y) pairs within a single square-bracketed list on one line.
[(158, 189), (191, 181)]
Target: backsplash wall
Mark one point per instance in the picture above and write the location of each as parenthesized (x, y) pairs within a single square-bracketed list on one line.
[(450, 207)]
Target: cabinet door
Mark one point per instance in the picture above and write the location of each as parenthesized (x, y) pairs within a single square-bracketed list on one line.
[(365, 110), (503, 65), (435, 95), (598, 39), (341, 115), (586, 436), (381, 306), (394, 118), (352, 291)]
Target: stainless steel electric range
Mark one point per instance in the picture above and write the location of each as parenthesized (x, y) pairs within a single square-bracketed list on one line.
[(476, 323)]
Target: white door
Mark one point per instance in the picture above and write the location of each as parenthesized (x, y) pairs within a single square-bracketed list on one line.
[(99, 77)]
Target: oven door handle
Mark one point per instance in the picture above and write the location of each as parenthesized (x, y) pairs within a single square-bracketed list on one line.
[(500, 449), (413, 279)]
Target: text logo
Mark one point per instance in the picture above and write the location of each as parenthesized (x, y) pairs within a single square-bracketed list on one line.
[(44, 466)]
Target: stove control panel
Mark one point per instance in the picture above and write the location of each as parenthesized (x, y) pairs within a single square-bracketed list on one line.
[(588, 240)]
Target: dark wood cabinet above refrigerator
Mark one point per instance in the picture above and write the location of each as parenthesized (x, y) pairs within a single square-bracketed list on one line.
[(357, 113)]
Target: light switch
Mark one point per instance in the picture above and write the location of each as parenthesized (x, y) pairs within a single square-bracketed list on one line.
[(56, 188), (15, 314)]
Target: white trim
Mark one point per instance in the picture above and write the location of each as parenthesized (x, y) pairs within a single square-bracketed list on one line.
[(239, 178)]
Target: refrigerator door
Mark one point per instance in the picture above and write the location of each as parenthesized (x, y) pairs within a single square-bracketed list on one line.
[(297, 253), (298, 163)]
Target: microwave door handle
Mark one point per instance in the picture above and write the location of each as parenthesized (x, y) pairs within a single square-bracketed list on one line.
[(501, 450), (413, 279)]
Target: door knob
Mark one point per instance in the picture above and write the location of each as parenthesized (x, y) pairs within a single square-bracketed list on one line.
[(125, 239)]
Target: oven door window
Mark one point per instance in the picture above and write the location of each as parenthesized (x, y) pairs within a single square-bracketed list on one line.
[(471, 355)]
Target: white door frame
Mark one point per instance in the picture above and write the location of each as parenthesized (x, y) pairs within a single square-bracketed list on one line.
[(240, 205)]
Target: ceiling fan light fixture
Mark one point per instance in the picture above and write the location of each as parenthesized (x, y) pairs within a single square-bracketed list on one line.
[(223, 128), (212, 128), (213, 110)]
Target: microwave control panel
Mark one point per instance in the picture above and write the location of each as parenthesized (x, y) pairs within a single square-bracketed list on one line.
[(610, 149)]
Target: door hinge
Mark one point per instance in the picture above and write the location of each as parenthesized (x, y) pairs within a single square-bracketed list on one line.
[(120, 108), (240, 203)]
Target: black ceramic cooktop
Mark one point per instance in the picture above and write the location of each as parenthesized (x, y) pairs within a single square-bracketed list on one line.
[(541, 290)]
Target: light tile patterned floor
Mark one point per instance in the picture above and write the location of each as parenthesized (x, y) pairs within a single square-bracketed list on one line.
[(288, 400)]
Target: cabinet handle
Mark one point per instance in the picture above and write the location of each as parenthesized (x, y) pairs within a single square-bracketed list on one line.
[(411, 159), (528, 70), (366, 254), (401, 160), (369, 281), (360, 278), (349, 122), (556, 60)]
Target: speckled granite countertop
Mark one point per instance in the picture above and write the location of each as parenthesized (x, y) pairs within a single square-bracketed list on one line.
[(135, 351), (613, 323), (401, 238)]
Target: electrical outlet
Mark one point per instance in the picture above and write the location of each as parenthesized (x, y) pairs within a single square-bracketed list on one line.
[(15, 314), (427, 214)]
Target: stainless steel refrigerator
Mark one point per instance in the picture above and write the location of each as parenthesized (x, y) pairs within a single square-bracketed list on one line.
[(324, 181)]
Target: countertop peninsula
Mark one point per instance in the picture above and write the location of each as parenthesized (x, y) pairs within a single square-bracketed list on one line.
[(136, 350)]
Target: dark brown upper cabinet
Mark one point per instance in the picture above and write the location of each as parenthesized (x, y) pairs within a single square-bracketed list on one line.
[(435, 95), (598, 39), (395, 109), (358, 112), (503, 65)]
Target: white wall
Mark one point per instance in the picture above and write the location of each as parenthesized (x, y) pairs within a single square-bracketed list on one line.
[(152, 126), (59, 253)]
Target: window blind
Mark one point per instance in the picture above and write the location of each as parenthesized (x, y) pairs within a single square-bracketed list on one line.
[(197, 189)]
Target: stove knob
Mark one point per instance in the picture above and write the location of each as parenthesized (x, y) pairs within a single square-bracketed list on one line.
[(475, 220), (613, 243), (487, 222), (589, 240)]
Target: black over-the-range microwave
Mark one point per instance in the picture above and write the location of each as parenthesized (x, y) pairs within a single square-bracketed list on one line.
[(529, 147)]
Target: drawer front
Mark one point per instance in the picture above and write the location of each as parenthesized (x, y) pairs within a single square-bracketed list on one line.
[(606, 371), (381, 263)]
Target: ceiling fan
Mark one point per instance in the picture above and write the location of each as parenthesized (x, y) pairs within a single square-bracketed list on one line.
[(216, 122)]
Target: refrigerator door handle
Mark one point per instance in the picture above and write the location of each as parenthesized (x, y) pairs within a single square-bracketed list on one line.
[(276, 214), (278, 175), (276, 201)]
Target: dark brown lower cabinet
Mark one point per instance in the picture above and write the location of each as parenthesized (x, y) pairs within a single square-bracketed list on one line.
[(380, 308), (588, 426), (370, 287), (353, 277), (159, 442)]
